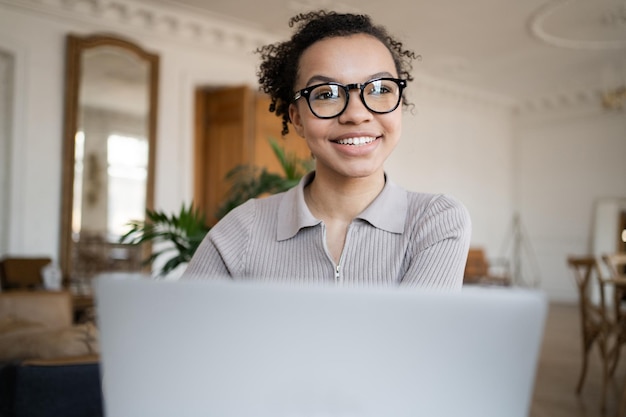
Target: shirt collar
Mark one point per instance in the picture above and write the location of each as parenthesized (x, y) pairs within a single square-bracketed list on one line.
[(293, 213), (389, 208), (386, 212)]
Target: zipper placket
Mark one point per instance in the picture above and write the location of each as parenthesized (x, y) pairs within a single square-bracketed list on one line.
[(338, 276)]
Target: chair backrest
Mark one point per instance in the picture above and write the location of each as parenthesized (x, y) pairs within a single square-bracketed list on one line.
[(477, 266), (617, 264), (22, 272), (586, 269)]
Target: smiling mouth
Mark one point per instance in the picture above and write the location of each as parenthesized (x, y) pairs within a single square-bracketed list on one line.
[(360, 141)]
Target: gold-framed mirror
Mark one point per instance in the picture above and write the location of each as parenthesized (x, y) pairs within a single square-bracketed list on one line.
[(111, 96)]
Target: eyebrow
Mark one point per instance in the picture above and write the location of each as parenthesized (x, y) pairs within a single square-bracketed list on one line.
[(317, 79)]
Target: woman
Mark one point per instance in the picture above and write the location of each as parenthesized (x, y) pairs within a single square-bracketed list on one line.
[(339, 82)]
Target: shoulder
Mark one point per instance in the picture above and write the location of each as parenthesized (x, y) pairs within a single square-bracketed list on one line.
[(428, 202), (433, 218), (252, 211), (442, 209)]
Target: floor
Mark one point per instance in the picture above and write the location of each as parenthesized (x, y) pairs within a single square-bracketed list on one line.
[(559, 368)]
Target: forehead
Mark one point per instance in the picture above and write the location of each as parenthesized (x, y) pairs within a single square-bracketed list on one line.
[(345, 59)]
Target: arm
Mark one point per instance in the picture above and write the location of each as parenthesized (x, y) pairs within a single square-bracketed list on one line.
[(223, 251), (440, 242)]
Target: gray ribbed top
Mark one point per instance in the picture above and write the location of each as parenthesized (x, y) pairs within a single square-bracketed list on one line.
[(401, 238)]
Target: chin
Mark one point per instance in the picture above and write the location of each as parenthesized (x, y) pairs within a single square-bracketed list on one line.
[(363, 173)]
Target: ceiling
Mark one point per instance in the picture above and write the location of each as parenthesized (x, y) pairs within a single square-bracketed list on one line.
[(527, 50)]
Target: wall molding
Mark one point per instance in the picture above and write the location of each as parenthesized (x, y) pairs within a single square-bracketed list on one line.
[(432, 86), (575, 99), (199, 30)]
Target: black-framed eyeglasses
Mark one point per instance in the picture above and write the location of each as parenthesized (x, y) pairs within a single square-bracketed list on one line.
[(328, 100)]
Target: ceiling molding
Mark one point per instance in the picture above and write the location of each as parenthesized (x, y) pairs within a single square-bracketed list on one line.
[(201, 29), (561, 101), (433, 86), (152, 20), (198, 30), (607, 21)]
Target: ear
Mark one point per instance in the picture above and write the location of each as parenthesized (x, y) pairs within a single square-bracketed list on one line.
[(296, 119)]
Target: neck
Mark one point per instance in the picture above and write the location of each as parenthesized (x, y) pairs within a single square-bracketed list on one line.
[(342, 198)]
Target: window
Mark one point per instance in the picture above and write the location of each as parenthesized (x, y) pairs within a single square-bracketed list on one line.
[(127, 160)]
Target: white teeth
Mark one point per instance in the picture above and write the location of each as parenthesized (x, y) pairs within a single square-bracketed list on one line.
[(356, 141)]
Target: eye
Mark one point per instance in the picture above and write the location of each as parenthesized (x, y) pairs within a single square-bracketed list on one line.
[(380, 87), (325, 92)]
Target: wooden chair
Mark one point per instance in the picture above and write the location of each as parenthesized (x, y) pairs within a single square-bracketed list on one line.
[(478, 270), (597, 325), (616, 264), (22, 272)]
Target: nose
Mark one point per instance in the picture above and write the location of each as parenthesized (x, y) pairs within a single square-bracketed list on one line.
[(355, 112)]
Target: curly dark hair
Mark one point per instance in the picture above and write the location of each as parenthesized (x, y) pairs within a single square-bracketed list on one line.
[(279, 61)]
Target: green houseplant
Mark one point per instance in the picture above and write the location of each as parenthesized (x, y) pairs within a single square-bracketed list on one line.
[(248, 181), (180, 233)]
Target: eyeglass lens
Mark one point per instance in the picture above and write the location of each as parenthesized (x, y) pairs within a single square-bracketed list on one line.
[(330, 100)]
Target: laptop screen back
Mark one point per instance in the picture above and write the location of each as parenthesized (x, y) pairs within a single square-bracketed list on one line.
[(217, 348)]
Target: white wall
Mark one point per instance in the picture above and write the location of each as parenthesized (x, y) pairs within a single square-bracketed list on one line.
[(460, 142), (34, 33), (568, 160), (465, 143), (32, 204), (6, 119)]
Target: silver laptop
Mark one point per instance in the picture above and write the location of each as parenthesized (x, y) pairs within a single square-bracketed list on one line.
[(241, 349)]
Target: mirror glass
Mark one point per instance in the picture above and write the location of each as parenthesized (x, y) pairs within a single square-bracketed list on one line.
[(109, 154)]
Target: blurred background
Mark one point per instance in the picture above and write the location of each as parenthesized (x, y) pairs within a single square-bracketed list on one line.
[(519, 112)]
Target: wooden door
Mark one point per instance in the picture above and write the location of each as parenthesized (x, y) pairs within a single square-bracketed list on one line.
[(223, 141), (267, 126), (234, 127)]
